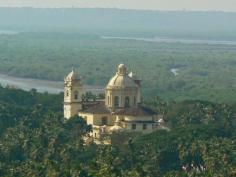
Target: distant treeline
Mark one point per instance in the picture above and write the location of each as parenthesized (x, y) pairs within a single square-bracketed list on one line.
[(205, 72), (193, 24)]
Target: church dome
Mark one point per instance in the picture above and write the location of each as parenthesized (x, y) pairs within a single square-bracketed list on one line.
[(122, 91), (121, 79)]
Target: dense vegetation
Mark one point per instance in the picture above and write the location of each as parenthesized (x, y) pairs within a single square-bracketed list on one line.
[(35, 141), (206, 72)]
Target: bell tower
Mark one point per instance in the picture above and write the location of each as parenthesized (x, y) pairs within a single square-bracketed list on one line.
[(72, 95)]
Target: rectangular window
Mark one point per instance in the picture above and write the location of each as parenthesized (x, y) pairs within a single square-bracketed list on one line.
[(104, 120), (116, 101), (144, 126), (127, 102), (76, 95), (133, 126)]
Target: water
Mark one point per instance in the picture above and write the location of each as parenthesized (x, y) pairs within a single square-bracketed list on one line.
[(174, 40), (8, 32), (41, 85), (174, 71)]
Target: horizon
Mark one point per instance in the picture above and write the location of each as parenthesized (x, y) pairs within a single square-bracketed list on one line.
[(113, 8), (150, 5)]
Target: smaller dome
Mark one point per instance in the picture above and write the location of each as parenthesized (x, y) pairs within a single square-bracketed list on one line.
[(117, 127)]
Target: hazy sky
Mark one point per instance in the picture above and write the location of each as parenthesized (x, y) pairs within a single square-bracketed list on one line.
[(215, 5)]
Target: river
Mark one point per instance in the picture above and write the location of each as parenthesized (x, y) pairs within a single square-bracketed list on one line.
[(174, 40), (174, 71), (41, 85), (154, 39), (8, 32)]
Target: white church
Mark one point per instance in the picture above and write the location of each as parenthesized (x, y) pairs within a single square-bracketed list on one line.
[(120, 111)]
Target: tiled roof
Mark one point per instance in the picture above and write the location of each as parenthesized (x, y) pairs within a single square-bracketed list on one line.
[(136, 111), (139, 121), (96, 108), (100, 108)]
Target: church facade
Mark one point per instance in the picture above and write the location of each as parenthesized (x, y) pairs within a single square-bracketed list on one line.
[(120, 111)]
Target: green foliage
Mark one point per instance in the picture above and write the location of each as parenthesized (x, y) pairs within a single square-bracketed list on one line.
[(36, 141), (89, 96), (206, 72), (42, 145), (16, 97)]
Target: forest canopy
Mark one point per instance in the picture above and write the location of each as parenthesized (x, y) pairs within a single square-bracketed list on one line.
[(35, 141)]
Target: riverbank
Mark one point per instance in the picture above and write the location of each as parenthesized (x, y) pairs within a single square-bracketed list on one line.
[(173, 40), (41, 85)]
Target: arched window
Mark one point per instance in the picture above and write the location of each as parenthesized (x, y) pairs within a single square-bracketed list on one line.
[(116, 101), (126, 101), (67, 93), (76, 95)]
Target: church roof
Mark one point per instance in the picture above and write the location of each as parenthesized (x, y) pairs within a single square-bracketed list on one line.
[(96, 108), (136, 111), (99, 107), (121, 79)]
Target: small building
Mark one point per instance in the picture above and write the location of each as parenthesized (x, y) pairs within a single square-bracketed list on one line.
[(120, 111)]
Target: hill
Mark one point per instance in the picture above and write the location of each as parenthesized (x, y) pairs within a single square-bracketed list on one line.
[(110, 21)]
